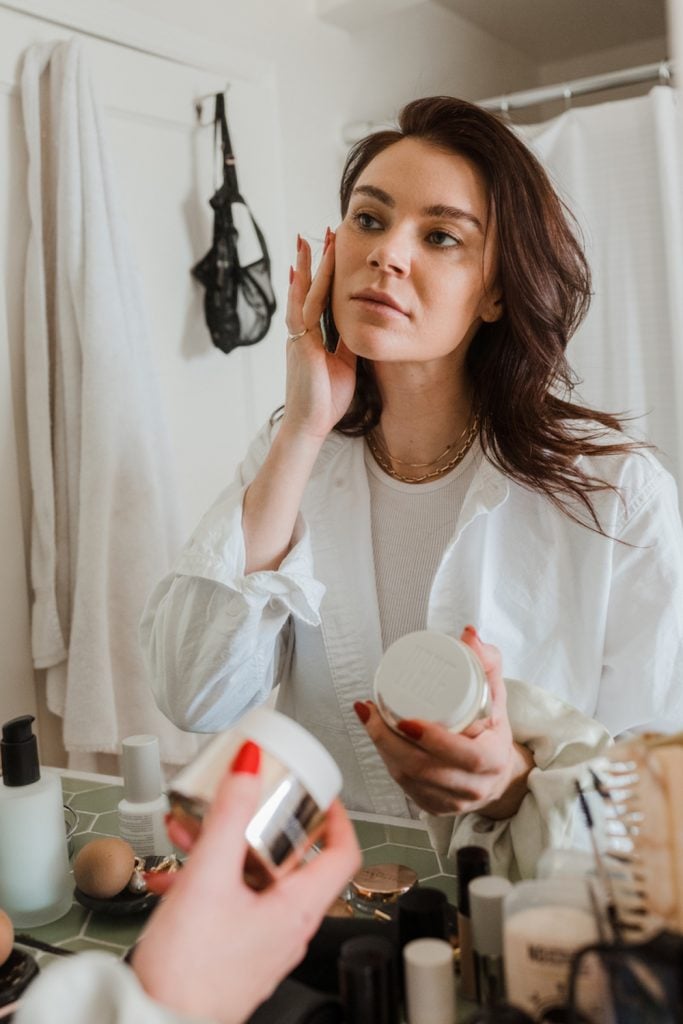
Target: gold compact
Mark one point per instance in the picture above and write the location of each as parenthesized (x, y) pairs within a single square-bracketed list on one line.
[(378, 884), (340, 908)]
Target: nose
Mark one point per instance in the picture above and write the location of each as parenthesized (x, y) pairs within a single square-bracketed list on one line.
[(390, 255)]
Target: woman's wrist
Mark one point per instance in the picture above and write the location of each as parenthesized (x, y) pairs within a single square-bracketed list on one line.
[(507, 804), (293, 438)]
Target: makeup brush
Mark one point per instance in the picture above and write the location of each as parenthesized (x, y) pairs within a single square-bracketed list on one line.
[(603, 874)]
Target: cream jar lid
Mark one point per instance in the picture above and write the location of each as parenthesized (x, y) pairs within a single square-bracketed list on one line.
[(297, 749), (433, 677)]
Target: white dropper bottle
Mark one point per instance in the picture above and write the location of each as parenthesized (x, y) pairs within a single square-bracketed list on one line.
[(144, 806)]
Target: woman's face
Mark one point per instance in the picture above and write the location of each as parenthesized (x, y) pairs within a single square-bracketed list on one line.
[(416, 256)]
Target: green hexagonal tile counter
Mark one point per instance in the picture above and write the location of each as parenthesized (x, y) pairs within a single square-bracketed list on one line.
[(95, 801)]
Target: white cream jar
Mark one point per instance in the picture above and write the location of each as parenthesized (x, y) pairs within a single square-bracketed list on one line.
[(299, 781), (431, 677)]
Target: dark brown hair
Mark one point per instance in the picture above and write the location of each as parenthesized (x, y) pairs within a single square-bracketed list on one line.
[(520, 378)]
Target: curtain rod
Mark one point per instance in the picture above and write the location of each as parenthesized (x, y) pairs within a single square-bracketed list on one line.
[(664, 70)]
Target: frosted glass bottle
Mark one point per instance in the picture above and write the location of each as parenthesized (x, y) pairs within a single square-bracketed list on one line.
[(35, 886)]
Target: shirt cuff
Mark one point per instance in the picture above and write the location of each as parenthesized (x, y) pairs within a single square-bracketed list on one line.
[(217, 552)]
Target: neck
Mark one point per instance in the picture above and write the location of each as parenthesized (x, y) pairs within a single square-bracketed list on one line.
[(422, 412)]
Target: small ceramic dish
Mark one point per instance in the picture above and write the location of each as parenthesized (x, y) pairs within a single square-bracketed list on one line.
[(17, 971), (70, 824), (125, 902)]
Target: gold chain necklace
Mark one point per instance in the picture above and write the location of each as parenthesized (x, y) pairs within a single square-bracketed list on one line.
[(418, 465), (382, 460)]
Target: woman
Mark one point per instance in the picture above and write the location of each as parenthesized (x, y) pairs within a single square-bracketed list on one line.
[(213, 949), (432, 473)]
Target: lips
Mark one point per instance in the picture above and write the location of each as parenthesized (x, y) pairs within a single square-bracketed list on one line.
[(380, 299)]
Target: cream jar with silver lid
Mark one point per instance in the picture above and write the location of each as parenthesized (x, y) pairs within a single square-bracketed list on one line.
[(299, 781), (432, 677)]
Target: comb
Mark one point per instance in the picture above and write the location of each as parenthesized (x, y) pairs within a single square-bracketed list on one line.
[(641, 785)]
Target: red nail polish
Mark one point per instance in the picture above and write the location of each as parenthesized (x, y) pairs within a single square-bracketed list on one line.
[(362, 711), (298, 243), (248, 759), (291, 275), (471, 630), (411, 729)]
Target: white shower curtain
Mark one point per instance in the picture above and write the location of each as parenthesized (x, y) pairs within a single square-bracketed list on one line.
[(616, 165)]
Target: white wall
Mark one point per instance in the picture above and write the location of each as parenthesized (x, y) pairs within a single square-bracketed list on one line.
[(427, 50), (327, 77)]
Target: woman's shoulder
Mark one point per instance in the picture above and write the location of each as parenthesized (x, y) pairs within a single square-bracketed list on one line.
[(628, 464)]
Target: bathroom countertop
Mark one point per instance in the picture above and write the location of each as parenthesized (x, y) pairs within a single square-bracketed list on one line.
[(95, 799)]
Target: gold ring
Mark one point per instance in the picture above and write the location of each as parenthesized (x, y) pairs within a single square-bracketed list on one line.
[(300, 334)]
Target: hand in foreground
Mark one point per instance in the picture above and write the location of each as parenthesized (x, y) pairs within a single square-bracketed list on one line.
[(320, 384), (481, 769), (214, 948)]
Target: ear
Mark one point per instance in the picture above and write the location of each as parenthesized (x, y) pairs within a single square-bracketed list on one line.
[(492, 306)]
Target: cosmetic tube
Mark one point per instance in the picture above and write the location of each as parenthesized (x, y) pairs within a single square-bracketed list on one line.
[(299, 780), (422, 914), (319, 967), (486, 913), (471, 861), (368, 981), (144, 806), (429, 982), (432, 677), (35, 886)]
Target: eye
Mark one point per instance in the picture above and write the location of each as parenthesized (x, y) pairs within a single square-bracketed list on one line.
[(443, 240), (366, 221)]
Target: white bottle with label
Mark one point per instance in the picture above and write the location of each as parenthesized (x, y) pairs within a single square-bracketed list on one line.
[(35, 886), (545, 923), (144, 806)]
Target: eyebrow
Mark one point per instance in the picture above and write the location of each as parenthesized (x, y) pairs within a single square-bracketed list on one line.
[(438, 210)]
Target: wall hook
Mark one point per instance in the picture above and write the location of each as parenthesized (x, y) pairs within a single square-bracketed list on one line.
[(199, 105)]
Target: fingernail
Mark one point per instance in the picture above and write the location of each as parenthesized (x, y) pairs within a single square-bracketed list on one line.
[(328, 237), (157, 884), (291, 275), (248, 759), (471, 630), (298, 243), (362, 711), (411, 729)]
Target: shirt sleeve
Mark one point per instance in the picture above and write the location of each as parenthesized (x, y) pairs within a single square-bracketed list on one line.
[(642, 679), (92, 987), (216, 640)]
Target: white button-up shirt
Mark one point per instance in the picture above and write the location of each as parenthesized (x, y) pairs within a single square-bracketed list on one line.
[(594, 620)]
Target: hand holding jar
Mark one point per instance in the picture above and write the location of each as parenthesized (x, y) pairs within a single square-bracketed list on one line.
[(215, 947), (447, 769)]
